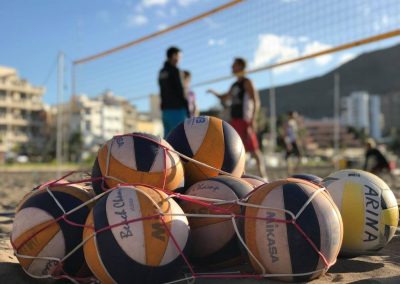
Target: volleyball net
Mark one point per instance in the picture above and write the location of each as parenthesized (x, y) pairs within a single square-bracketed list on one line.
[(295, 39)]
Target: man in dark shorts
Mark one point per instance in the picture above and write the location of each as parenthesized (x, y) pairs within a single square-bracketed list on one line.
[(174, 104), (245, 104), (375, 161)]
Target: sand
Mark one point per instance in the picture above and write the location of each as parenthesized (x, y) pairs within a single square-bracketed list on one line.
[(383, 267)]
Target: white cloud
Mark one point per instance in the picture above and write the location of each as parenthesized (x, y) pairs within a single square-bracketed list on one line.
[(382, 23), (316, 46), (162, 26), (103, 16), (186, 2), (136, 20), (273, 49), (150, 3), (216, 42), (346, 57)]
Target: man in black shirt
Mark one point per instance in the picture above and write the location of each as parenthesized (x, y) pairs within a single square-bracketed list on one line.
[(174, 105), (375, 162)]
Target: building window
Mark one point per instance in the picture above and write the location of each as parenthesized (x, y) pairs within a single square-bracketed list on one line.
[(87, 125)]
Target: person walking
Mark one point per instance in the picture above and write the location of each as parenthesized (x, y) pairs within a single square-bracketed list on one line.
[(174, 105), (291, 141), (244, 108)]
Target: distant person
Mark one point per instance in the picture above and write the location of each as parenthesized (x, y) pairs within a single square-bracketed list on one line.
[(174, 105), (190, 95), (244, 108), (291, 130), (375, 161)]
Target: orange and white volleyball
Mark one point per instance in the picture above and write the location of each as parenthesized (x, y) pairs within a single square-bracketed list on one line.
[(137, 159), (292, 228), (127, 241), (214, 239), (41, 238), (211, 141)]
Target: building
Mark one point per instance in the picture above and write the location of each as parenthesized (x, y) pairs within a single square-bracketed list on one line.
[(390, 104), (21, 111), (363, 112)]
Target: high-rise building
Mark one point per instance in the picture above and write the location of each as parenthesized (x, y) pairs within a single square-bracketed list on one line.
[(375, 117), (21, 111)]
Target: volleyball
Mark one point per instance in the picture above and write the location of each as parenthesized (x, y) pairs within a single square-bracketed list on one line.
[(128, 240), (211, 141), (369, 210), (40, 236), (254, 180), (214, 240), (312, 178), (300, 243), (137, 158)]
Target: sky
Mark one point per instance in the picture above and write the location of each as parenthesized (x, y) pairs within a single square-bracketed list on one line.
[(263, 32)]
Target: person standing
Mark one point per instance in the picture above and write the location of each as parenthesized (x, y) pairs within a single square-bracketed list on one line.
[(291, 140), (174, 105), (244, 108), (190, 95)]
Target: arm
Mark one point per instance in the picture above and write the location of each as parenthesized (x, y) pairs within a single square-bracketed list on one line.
[(222, 97)]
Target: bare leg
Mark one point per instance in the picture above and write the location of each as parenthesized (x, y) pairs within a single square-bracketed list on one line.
[(260, 163)]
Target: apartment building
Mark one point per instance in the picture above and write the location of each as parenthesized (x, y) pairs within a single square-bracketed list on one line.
[(21, 111)]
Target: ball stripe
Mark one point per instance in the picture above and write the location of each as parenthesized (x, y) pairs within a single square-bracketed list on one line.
[(28, 245), (352, 201), (233, 153), (181, 143), (294, 199), (143, 146), (92, 254), (119, 171)]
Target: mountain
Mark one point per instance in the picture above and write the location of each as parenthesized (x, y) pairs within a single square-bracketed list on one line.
[(376, 72)]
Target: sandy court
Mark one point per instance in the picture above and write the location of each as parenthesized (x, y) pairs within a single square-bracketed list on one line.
[(384, 267)]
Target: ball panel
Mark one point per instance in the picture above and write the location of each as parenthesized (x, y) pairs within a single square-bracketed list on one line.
[(196, 129), (118, 149), (353, 214), (178, 138), (92, 254), (118, 211), (294, 199), (234, 153), (160, 163), (155, 235), (53, 247), (148, 148)]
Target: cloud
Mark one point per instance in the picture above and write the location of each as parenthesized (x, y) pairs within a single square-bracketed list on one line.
[(173, 11), (216, 42), (103, 16), (316, 46), (274, 49), (162, 26), (136, 20), (382, 23), (186, 2), (150, 3), (346, 57)]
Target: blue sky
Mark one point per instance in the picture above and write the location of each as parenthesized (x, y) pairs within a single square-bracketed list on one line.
[(263, 32)]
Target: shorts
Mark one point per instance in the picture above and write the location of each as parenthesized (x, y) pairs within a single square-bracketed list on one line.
[(246, 133), (172, 118)]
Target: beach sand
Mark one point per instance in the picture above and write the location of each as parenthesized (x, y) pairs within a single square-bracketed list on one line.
[(383, 267)]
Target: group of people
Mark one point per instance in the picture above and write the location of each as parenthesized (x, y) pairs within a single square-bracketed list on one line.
[(178, 102)]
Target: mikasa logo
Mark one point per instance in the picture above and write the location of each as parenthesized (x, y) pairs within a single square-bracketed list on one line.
[(372, 206), (270, 229)]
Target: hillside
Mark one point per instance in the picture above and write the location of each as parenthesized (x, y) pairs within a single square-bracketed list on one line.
[(376, 72)]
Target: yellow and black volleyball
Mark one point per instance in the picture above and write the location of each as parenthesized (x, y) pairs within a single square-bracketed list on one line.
[(369, 210), (137, 158), (127, 241), (214, 240), (37, 236), (211, 141), (274, 240)]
